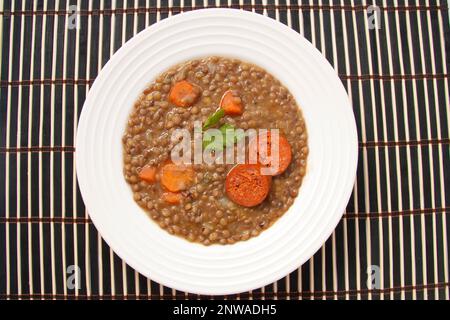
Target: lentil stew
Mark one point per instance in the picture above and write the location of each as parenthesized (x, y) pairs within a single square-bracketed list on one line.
[(213, 203)]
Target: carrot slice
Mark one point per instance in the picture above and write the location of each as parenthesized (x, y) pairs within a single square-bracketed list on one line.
[(148, 174), (172, 197), (184, 94), (246, 186), (231, 103), (177, 177), (284, 152)]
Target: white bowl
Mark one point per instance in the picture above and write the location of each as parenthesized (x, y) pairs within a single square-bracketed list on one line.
[(299, 233)]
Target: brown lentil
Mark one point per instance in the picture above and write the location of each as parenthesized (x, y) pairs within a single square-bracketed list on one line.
[(205, 214)]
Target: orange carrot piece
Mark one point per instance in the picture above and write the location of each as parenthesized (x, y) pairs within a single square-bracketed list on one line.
[(177, 177), (172, 197), (148, 174), (184, 94), (231, 103)]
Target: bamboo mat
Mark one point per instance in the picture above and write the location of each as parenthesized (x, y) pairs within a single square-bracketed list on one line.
[(394, 231)]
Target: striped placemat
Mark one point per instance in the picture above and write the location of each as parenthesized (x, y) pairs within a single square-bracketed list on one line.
[(393, 59)]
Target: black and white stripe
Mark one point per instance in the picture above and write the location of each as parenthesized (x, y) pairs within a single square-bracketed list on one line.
[(396, 77)]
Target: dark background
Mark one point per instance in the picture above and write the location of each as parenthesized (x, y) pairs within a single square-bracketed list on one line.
[(397, 79)]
